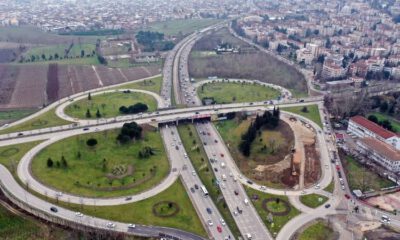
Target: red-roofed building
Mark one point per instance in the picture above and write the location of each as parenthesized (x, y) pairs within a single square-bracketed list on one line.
[(362, 127)]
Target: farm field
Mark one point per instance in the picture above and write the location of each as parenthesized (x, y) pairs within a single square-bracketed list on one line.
[(23, 84), (312, 113), (190, 141), (108, 104), (249, 64), (181, 27), (236, 92), (107, 169), (267, 154)]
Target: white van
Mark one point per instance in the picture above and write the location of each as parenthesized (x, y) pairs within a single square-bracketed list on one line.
[(246, 201)]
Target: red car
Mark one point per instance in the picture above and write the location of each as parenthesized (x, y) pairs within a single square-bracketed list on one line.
[(222, 155), (337, 167), (219, 229), (347, 196)]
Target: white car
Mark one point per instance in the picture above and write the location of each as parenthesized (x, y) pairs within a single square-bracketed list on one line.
[(222, 222), (78, 214), (210, 223), (131, 225), (110, 225), (194, 173)]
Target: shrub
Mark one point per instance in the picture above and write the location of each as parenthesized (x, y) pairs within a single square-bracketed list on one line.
[(91, 142)]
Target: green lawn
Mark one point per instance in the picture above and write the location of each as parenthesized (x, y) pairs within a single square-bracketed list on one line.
[(395, 123), (312, 113), (109, 169), (277, 221), (126, 63), (108, 104), (236, 92), (152, 85), (181, 26), (15, 114), (191, 142), (331, 187), (44, 120), (12, 154), (313, 200), (359, 177), (318, 231), (272, 148), (73, 57), (141, 212)]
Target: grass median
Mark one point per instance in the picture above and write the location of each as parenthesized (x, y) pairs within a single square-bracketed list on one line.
[(274, 213), (224, 92), (152, 85), (318, 231), (108, 104), (310, 111), (313, 200), (197, 155), (107, 169)]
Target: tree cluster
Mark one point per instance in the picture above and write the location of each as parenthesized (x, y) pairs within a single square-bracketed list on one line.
[(129, 131), (136, 108), (153, 41), (146, 152), (384, 123), (267, 120), (237, 28), (59, 164)]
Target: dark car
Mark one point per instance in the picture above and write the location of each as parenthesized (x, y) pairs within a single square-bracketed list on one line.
[(347, 196), (327, 205), (20, 134), (128, 198), (209, 210), (85, 129), (236, 192), (216, 169), (249, 182), (196, 186), (192, 190), (53, 209)]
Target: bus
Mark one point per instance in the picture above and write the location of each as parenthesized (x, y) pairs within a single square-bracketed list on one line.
[(204, 190)]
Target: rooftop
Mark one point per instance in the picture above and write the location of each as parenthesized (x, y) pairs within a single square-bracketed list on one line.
[(373, 127), (383, 149)]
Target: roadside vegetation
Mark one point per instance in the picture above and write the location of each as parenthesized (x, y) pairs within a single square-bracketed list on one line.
[(152, 85), (275, 211), (313, 200), (108, 104), (104, 164), (223, 92), (15, 114), (310, 111), (331, 187), (192, 143), (44, 120), (360, 177)]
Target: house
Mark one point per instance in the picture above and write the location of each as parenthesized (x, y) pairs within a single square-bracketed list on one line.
[(380, 152), (362, 127)]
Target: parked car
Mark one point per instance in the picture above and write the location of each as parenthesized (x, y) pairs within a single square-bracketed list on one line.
[(327, 205), (54, 209)]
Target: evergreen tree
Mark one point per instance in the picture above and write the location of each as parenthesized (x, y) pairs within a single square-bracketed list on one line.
[(88, 114), (50, 163)]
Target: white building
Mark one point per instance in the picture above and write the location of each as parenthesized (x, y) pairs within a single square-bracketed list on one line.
[(380, 152), (362, 127)]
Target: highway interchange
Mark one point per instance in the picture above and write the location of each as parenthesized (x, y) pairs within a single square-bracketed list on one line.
[(177, 88)]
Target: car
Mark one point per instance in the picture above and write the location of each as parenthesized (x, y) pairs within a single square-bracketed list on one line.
[(209, 210), (192, 190), (128, 198), (78, 214), (317, 186), (222, 221), (222, 155), (234, 179), (86, 129), (216, 169), (327, 205), (20, 134), (263, 187), (347, 196), (249, 182), (131, 225), (110, 225), (205, 143), (219, 229), (235, 213), (210, 223), (236, 192), (239, 210), (343, 187), (54, 209), (59, 194), (196, 186), (176, 147), (230, 174)]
